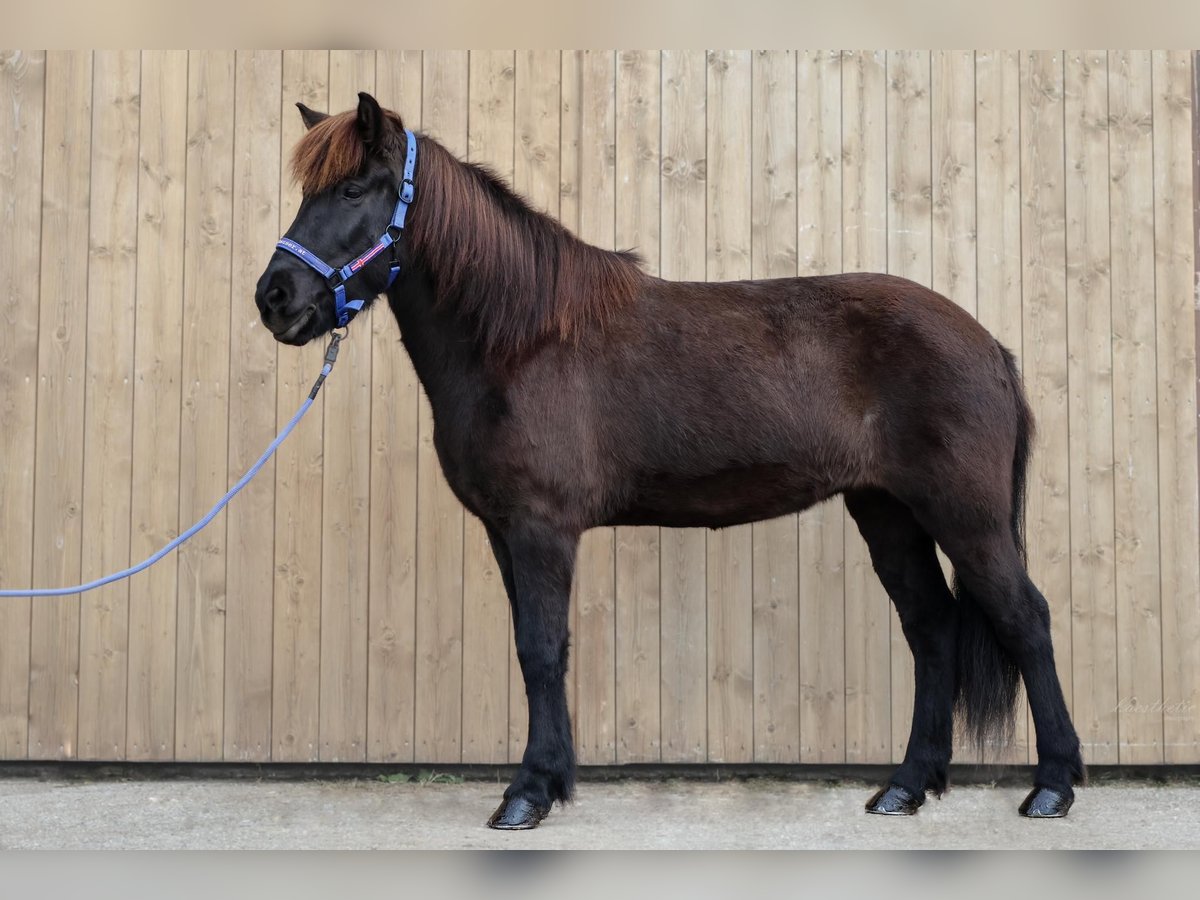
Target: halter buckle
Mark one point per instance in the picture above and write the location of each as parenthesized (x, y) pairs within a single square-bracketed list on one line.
[(407, 190)]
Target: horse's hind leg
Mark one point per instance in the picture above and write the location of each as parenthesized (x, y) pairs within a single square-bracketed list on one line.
[(906, 561), (993, 577), (537, 561)]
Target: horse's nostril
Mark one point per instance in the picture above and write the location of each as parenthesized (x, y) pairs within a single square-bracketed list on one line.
[(275, 299)]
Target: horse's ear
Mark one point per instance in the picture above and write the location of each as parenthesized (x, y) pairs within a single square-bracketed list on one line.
[(310, 116), (370, 119)]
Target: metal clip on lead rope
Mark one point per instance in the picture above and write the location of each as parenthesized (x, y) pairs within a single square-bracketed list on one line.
[(338, 335)]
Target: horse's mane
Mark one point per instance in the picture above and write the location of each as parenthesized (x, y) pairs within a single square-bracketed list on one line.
[(515, 274)]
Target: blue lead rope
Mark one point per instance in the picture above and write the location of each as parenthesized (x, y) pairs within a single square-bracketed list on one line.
[(330, 359)]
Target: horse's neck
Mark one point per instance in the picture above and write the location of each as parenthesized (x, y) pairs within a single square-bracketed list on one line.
[(442, 352)]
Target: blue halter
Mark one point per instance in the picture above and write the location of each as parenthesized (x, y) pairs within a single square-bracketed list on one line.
[(337, 278)]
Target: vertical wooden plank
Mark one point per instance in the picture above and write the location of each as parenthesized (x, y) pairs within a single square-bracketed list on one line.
[(953, 149), (1135, 409), (865, 249), (821, 536), (952, 143), (22, 85), (594, 645), (536, 175), (998, 256), (345, 525), (1089, 406), (683, 585), (638, 137), (910, 229), (58, 475), (775, 547), (486, 617), (438, 713), (1043, 260), (157, 371), (395, 396), (1175, 314), (203, 454), (250, 572), (108, 403), (730, 579), (296, 620)]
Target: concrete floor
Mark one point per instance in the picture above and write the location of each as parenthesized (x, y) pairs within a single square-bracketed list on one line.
[(750, 813)]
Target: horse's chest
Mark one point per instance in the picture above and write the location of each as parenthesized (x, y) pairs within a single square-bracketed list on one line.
[(474, 468), (458, 467)]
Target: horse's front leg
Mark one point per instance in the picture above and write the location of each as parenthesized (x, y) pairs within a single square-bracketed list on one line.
[(537, 560)]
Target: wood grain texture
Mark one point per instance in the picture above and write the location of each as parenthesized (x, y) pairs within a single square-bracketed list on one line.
[(345, 507), (1135, 409), (296, 613), (108, 402), (157, 396), (1044, 330), (204, 441), (821, 580), (953, 142), (954, 153), (730, 550), (61, 366), (638, 221), (775, 548), (683, 581), (395, 398), (1090, 406), (345, 608), (250, 570), (998, 262), (22, 86), (865, 248), (1175, 315)]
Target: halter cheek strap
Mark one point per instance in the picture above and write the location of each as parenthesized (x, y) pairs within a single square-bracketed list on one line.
[(336, 278)]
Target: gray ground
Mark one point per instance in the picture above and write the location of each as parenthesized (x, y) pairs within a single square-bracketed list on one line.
[(752, 813)]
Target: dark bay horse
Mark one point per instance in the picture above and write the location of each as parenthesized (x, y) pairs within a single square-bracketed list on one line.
[(571, 390)]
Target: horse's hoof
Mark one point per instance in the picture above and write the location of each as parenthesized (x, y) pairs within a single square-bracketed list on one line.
[(517, 814), (894, 800), (1044, 803)]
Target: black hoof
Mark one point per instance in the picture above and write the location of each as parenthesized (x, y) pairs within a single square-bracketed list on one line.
[(894, 800), (516, 814), (1044, 803)]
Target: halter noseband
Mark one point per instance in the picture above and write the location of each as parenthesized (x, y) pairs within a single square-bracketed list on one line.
[(337, 278)]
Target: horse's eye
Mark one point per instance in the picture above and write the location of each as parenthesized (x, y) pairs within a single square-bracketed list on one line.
[(351, 193)]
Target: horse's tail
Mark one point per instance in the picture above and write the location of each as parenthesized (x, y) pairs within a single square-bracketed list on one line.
[(1020, 464), (987, 676)]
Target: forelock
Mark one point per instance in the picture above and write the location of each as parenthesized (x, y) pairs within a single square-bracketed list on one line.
[(333, 150)]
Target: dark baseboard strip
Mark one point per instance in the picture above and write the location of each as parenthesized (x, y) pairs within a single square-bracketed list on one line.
[(1006, 775)]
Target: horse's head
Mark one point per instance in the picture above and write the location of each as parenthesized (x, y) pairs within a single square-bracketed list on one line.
[(351, 167)]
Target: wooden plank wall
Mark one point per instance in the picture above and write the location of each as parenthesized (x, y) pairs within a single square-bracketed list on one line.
[(345, 609)]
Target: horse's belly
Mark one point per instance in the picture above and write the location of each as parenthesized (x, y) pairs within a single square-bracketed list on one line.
[(720, 499)]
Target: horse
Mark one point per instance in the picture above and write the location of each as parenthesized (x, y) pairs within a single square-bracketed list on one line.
[(570, 389)]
